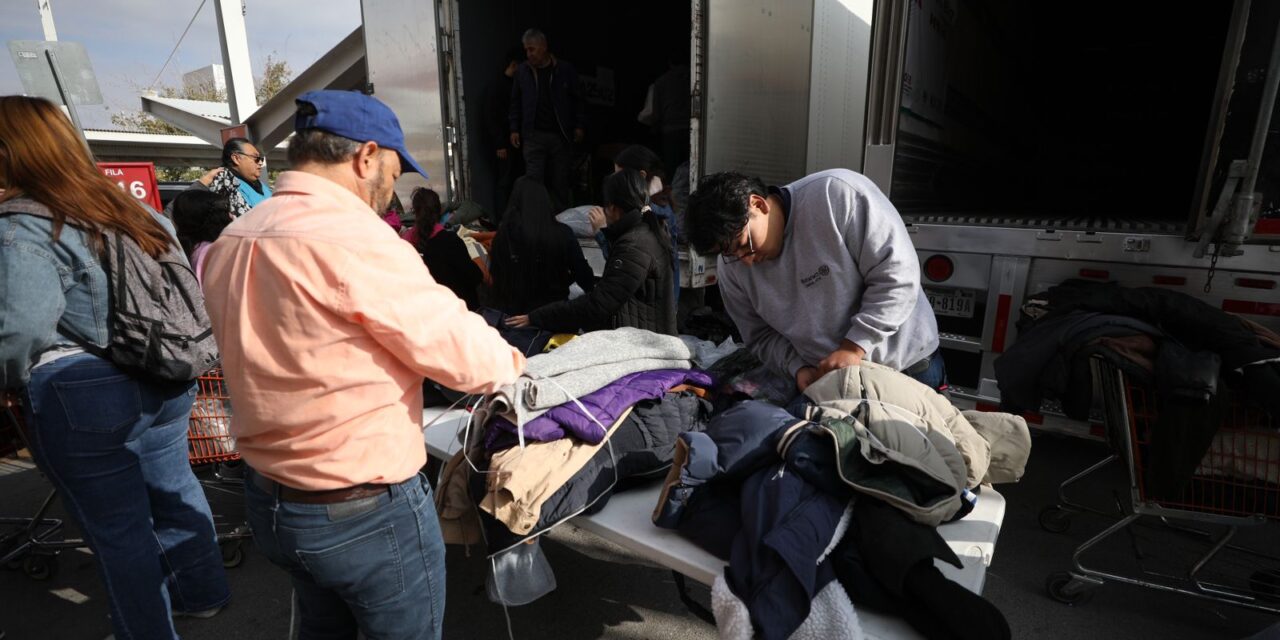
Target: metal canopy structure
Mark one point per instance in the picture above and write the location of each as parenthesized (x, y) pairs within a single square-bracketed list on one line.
[(164, 150), (342, 67), (204, 120)]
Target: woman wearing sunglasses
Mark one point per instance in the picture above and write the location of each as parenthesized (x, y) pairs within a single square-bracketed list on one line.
[(246, 162)]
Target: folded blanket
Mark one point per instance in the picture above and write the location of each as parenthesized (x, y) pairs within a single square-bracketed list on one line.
[(602, 406), (584, 365)]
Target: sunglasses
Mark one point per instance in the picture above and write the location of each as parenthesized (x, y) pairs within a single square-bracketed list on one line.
[(260, 160), (737, 253)]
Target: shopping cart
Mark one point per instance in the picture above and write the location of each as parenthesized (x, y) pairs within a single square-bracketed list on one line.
[(32, 543), (213, 455), (1236, 484)]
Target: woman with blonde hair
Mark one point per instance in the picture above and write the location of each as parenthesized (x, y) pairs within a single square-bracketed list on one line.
[(114, 444)]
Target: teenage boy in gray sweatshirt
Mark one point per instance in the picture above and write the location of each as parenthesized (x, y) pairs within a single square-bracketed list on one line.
[(818, 275)]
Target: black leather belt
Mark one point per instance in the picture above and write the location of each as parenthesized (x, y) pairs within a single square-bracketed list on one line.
[(919, 367), (330, 496)]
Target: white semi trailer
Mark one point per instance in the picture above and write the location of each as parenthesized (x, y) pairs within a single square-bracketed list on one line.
[(1023, 143)]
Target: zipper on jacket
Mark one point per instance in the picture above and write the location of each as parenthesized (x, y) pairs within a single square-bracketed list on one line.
[(551, 80)]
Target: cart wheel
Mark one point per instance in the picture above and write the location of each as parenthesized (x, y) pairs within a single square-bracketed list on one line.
[(1055, 519), (40, 567), (1063, 587), (232, 554)]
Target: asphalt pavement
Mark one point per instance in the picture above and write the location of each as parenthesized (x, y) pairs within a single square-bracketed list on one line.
[(603, 592)]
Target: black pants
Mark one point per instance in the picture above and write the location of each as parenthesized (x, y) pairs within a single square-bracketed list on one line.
[(675, 149), (547, 157), (506, 172)]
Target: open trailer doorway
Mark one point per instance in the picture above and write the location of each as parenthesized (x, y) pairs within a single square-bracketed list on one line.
[(618, 49)]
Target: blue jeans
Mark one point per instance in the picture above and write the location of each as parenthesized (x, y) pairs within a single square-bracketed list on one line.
[(115, 447), (935, 375), (375, 564)]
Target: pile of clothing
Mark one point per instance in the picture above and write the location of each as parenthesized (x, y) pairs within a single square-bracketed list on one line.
[(597, 415), (829, 503), (1176, 345), (836, 503)]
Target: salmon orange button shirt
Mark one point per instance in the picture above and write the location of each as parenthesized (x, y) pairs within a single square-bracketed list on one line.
[(327, 322)]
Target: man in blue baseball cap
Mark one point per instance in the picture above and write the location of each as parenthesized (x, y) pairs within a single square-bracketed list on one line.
[(328, 323)]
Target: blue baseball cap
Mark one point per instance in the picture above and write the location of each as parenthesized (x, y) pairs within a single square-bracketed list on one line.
[(355, 116)]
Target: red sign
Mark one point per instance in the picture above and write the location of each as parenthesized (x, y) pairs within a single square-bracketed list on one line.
[(137, 179)]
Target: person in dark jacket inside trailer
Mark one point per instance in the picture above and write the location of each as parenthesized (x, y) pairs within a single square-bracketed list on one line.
[(546, 116), (534, 258), (636, 287), (444, 253)]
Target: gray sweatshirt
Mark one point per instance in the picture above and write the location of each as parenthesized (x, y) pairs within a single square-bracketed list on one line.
[(847, 270)]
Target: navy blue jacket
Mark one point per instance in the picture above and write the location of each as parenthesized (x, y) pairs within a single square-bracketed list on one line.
[(735, 498), (566, 98)]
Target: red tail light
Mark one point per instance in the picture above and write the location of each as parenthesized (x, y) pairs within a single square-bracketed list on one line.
[(938, 268)]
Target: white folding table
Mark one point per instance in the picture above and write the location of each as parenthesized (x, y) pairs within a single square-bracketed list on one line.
[(626, 522)]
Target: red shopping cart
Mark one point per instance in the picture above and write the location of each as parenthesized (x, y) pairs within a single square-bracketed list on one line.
[(1237, 483), (212, 452), (34, 542)]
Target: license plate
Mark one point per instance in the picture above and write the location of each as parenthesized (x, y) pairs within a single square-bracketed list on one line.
[(955, 303)]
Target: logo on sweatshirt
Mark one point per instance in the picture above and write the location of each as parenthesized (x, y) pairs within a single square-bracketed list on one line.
[(816, 276)]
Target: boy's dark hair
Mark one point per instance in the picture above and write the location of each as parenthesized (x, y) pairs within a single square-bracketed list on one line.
[(200, 216), (718, 209)]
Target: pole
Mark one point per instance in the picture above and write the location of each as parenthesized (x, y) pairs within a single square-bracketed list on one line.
[(66, 99), (235, 59), (46, 19)]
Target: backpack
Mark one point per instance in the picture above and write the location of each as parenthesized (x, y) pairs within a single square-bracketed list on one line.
[(157, 325)]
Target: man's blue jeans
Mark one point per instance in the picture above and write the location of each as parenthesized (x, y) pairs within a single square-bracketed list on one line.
[(115, 447), (375, 564), (933, 376)]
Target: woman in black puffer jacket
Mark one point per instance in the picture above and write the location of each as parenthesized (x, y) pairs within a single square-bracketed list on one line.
[(636, 289)]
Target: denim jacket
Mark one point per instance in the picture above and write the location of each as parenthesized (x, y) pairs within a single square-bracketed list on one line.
[(42, 283)]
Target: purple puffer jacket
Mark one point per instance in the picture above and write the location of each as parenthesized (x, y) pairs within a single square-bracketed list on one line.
[(605, 404)]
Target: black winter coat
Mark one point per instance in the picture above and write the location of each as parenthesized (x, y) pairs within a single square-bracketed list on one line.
[(450, 264), (517, 287), (1192, 322), (636, 289)]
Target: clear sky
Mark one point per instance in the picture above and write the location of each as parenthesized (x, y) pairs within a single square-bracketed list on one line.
[(128, 40)]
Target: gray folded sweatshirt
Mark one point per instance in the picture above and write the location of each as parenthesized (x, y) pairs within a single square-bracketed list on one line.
[(847, 270), (583, 365)]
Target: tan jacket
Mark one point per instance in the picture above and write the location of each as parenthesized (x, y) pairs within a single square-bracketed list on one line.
[(992, 447), (520, 480)]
